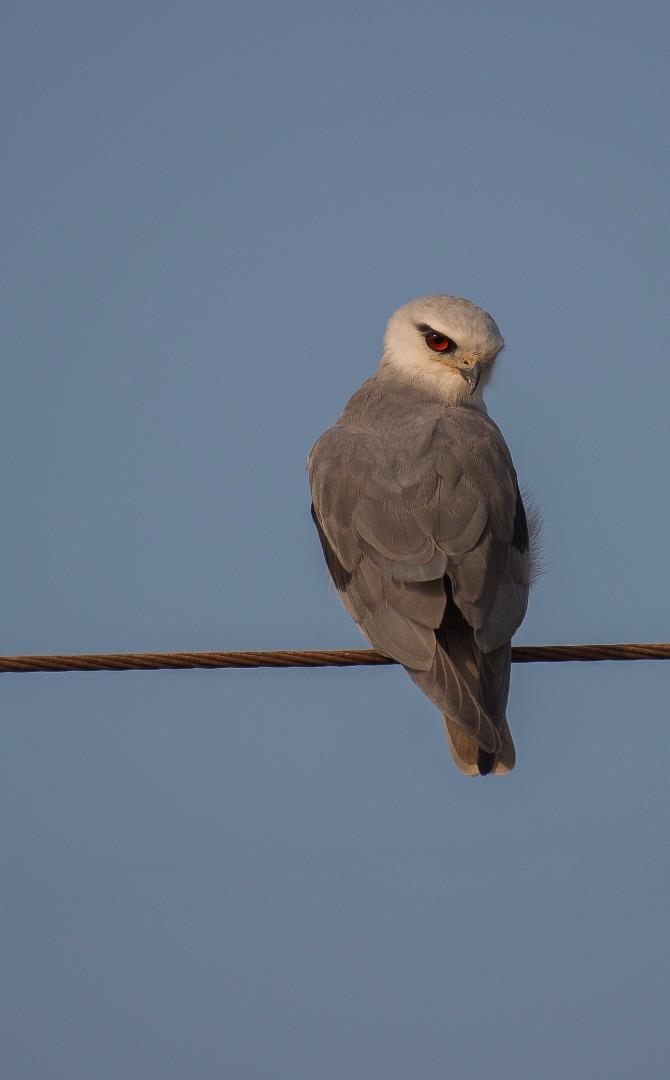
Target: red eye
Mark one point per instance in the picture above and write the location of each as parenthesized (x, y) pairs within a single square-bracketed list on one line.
[(438, 342)]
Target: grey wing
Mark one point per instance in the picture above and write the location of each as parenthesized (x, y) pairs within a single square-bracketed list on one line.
[(424, 538), (490, 578), (371, 538)]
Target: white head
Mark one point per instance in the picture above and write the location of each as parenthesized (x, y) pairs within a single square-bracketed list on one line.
[(445, 344)]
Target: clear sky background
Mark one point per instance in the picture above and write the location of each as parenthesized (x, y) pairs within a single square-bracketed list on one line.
[(209, 212)]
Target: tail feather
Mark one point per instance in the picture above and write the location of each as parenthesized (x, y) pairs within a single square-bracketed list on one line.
[(464, 748), (469, 757), (470, 688)]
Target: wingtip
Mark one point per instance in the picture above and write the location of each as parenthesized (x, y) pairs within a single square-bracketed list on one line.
[(471, 759), (486, 762)]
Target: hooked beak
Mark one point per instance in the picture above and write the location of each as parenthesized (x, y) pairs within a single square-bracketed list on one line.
[(471, 375)]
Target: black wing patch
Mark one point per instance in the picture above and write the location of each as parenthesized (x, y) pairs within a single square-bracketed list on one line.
[(340, 575), (520, 539)]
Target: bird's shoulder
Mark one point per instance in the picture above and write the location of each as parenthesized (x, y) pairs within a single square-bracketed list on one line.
[(400, 431)]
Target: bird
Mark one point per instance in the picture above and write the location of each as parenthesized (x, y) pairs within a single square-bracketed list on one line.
[(422, 522)]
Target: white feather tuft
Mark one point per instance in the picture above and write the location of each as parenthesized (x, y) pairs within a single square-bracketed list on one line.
[(535, 522)]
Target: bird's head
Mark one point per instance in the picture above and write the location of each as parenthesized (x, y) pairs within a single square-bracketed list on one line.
[(445, 344)]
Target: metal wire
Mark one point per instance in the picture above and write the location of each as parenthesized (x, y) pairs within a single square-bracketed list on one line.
[(521, 654)]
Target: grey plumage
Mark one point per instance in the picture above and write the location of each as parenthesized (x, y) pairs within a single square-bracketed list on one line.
[(417, 506)]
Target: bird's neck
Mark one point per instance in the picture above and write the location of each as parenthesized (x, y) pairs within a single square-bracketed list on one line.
[(439, 383)]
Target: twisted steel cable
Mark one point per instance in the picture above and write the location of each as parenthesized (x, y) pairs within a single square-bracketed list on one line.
[(521, 654)]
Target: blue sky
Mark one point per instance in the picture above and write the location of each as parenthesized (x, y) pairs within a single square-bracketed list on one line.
[(209, 214)]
